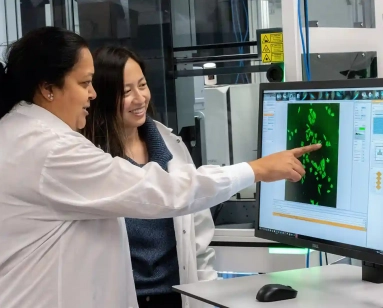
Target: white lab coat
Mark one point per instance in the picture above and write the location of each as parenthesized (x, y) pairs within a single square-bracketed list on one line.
[(62, 243), (194, 232)]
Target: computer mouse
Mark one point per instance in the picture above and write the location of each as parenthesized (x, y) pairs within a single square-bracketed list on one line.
[(275, 292)]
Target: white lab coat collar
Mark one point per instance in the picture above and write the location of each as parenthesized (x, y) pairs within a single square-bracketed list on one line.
[(164, 130), (43, 115)]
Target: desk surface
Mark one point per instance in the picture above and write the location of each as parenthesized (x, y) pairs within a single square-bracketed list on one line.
[(327, 286)]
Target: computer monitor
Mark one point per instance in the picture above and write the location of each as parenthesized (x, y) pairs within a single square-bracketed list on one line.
[(337, 207)]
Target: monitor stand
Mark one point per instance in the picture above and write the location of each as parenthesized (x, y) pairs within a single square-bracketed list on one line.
[(372, 272)]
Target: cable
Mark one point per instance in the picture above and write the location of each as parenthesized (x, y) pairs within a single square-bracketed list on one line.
[(247, 20), (240, 36), (234, 30), (235, 20), (247, 30), (307, 28), (302, 41)]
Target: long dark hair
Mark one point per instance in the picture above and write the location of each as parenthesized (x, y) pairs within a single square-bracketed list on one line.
[(104, 125), (43, 55)]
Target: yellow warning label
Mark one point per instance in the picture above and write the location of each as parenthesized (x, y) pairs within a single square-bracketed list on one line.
[(277, 57), (266, 57), (265, 38), (276, 37), (272, 47), (278, 47), (266, 48)]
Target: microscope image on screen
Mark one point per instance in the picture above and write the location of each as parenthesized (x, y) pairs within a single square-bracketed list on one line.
[(308, 124)]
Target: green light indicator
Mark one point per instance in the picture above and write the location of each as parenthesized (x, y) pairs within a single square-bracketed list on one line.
[(289, 251)]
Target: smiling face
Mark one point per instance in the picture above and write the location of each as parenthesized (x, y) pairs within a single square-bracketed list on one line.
[(71, 101), (136, 95)]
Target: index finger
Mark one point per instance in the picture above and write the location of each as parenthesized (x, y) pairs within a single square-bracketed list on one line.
[(298, 152)]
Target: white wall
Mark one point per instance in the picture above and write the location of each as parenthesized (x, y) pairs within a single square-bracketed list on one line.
[(329, 13)]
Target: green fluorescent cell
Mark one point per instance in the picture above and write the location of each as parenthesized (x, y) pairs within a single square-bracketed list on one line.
[(314, 123), (322, 163)]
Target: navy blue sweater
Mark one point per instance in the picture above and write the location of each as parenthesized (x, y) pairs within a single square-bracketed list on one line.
[(152, 241)]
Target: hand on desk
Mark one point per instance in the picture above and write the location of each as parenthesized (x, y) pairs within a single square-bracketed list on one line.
[(282, 165)]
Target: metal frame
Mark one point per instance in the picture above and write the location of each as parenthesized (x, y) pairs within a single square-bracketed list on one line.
[(12, 16), (3, 29), (222, 71), (49, 19), (327, 40), (179, 69), (215, 46), (69, 17), (216, 59)]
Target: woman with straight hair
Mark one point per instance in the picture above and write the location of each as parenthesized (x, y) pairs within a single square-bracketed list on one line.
[(120, 122), (63, 241)]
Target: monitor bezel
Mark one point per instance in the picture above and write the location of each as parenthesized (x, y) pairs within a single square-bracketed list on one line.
[(337, 248)]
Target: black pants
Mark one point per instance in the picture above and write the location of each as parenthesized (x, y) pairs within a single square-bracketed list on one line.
[(172, 300)]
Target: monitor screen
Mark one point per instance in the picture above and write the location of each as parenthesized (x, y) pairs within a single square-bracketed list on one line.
[(340, 199)]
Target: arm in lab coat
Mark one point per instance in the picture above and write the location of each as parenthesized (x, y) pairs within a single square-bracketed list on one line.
[(80, 181)]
